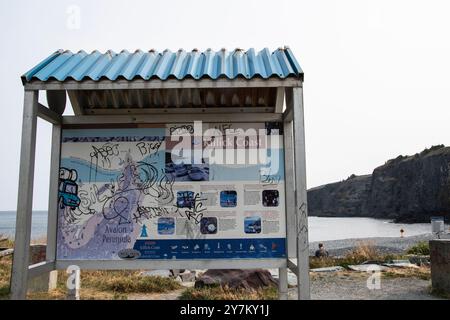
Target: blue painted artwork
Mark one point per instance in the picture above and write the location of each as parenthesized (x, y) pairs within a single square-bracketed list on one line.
[(166, 226), (252, 224), (228, 198)]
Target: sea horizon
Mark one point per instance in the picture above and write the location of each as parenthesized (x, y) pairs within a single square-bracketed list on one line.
[(320, 228)]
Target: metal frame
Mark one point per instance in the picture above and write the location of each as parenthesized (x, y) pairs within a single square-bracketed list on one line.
[(161, 84), (295, 174)]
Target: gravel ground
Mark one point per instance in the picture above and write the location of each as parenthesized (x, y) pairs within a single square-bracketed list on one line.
[(350, 285), (341, 286), (353, 286), (383, 244)]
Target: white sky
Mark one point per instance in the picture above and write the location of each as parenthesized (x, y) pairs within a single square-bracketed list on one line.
[(377, 73)]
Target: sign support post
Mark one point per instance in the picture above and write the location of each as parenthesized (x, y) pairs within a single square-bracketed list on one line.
[(19, 277), (296, 100), (52, 222)]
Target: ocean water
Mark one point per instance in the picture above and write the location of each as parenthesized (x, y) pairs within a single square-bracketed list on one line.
[(38, 225), (320, 229), (325, 229)]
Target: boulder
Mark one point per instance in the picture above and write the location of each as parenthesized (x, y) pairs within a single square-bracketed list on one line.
[(236, 279)]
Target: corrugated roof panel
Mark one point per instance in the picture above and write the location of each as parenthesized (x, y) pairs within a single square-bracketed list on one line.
[(65, 65), (80, 71), (134, 62)]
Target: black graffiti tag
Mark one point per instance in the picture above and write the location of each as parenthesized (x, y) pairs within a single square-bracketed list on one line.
[(196, 212)]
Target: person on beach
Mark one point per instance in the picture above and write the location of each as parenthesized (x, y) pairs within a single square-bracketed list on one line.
[(402, 232), (321, 252)]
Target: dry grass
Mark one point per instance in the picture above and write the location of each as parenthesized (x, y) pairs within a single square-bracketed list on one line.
[(127, 282), (422, 273), (364, 251), (5, 272), (5, 267), (6, 242), (94, 284), (85, 294), (220, 293)]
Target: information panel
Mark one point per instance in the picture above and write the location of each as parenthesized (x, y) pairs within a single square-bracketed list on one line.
[(172, 191)]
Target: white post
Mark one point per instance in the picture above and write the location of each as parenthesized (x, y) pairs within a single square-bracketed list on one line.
[(53, 203), (295, 97), (289, 180), (282, 284), (19, 277), (73, 283)]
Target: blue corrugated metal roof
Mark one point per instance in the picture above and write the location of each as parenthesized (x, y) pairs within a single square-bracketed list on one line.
[(65, 65)]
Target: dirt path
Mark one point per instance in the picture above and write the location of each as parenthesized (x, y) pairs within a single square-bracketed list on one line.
[(353, 286), (157, 296)]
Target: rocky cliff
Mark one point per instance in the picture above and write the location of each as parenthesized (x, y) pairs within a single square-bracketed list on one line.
[(405, 189)]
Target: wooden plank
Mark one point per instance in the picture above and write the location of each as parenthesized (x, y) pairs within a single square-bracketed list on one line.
[(53, 194), (296, 100), (52, 222), (288, 114), (279, 104), (6, 252), (179, 110), (289, 180), (173, 264), (161, 84), (19, 277), (75, 102), (40, 268), (292, 265), (48, 115), (170, 118)]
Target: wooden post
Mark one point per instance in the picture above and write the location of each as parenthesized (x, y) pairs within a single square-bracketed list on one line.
[(53, 203), (19, 277), (73, 283), (294, 97), (289, 180)]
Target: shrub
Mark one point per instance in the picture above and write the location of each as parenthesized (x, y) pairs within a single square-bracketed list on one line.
[(421, 248), (364, 251)]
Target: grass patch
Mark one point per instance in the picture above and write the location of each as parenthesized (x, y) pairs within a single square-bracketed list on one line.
[(127, 282), (421, 248), (364, 251), (97, 285), (367, 252), (422, 273), (220, 293), (85, 294), (5, 274)]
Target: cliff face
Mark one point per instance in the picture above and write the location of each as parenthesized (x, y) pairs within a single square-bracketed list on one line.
[(340, 199), (407, 189)]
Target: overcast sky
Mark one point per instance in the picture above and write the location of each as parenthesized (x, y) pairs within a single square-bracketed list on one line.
[(377, 73)]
